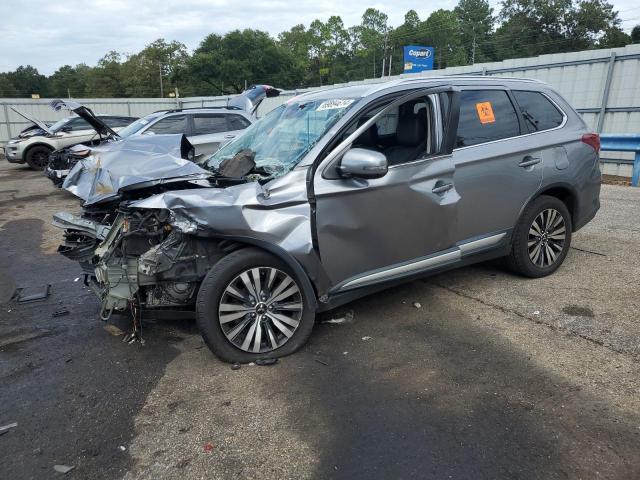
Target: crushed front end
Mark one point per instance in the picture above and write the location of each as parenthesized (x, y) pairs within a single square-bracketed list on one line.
[(136, 260)]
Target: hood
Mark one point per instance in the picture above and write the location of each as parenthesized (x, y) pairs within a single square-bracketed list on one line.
[(130, 164), (33, 120), (250, 99), (98, 125)]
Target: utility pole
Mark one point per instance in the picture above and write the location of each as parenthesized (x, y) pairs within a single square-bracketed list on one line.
[(161, 87), (473, 46), (384, 55)]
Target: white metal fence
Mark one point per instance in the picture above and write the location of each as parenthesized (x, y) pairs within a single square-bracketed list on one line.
[(603, 85)]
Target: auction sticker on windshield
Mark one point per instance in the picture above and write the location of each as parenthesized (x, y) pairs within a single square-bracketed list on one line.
[(336, 103), (485, 112)]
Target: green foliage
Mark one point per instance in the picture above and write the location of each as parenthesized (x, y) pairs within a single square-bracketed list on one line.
[(328, 52)]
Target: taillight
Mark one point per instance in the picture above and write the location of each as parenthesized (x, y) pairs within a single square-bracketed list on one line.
[(593, 140)]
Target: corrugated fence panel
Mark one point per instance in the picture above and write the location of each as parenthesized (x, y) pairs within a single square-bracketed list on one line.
[(581, 77)]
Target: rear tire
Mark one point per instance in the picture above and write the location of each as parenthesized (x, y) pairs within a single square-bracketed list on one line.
[(541, 239), (253, 327), (37, 157)]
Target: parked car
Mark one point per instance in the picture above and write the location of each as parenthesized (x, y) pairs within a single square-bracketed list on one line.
[(34, 144), (206, 128), (334, 195)]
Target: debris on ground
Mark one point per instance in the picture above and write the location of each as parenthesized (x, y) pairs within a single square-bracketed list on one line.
[(417, 304), (236, 366), (4, 429), (122, 448), (9, 426), (63, 468), (537, 312), (76, 279), (266, 361), (366, 338), (345, 353), (26, 295), (321, 362), (208, 447), (113, 330), (60, 313), (347, 317)]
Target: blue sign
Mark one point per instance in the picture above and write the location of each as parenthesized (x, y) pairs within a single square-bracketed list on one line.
[(418, 58)]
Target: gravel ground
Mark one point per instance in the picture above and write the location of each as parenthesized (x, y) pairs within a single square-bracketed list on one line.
[(493, 376)]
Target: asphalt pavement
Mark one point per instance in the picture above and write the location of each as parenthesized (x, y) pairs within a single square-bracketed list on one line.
[(471, 374)]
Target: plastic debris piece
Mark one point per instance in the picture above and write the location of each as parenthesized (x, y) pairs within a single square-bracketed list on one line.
[(321, 362), (63, 468), (122, 448), (266, 361), (537, 312), (236, 366), (60, 313), (345, 353), (113, 330), (6, 428), (76, 279), (208, 447), (366, 338), (417, 304), (41, 294)]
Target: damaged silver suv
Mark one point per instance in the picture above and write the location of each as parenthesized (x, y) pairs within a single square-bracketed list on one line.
[(332, 196)]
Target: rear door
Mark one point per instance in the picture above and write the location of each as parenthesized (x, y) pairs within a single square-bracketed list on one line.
[(370, 231), (496, 170), (208, 132)]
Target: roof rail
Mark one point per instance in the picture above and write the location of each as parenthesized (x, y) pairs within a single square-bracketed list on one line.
[(174, 110)]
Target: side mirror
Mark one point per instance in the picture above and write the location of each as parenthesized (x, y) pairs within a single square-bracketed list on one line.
[(363, 163)]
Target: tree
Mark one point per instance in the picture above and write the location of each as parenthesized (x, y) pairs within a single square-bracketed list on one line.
[(141, 72), (7, 89), (105, 80), (476, 25), (370, 39), (27, 80), (635, 34), (442, 32), (69, 81)]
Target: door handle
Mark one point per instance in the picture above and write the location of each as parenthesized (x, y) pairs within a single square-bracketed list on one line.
[(442, 188), (529, 161)]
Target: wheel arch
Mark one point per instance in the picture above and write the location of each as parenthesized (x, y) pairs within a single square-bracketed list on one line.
[(33, 145), (280, 253), (564, 192)]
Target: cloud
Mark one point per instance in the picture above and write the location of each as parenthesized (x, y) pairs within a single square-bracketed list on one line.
[(49, 34)]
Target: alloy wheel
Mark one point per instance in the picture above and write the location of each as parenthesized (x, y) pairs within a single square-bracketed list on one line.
[(40, 159), (260, 309), (547, 235)]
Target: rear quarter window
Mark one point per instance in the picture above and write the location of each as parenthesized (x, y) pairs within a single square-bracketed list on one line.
[(237, 122), (485, 116), (538, 111)]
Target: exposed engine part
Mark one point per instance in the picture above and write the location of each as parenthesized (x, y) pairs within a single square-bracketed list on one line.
[(170, 294)]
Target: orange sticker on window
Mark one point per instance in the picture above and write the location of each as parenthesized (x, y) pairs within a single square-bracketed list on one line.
[(485, 112)]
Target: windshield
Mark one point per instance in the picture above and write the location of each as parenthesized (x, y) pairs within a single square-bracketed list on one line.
[(56, 127), (138, 125), (278, 141)]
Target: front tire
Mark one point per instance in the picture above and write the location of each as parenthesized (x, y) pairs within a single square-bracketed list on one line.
[(252, 306), (542, 238), (37, 157)]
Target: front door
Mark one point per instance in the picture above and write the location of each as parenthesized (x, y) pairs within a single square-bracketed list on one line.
[(369, 231)]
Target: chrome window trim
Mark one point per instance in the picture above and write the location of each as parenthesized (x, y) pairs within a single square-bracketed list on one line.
[(565, 118)]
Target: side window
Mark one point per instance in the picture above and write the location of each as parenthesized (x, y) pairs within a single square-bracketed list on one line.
[(78, 124), (486, 115), (237, 122), (169, 125), (403, 134), (538, 112), (116, 122), (206, 123)]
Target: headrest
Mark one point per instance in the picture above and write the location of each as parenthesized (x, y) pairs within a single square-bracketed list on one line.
[(412, 130)]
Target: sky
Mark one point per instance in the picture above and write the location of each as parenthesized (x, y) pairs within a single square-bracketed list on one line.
[(49, 34)]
